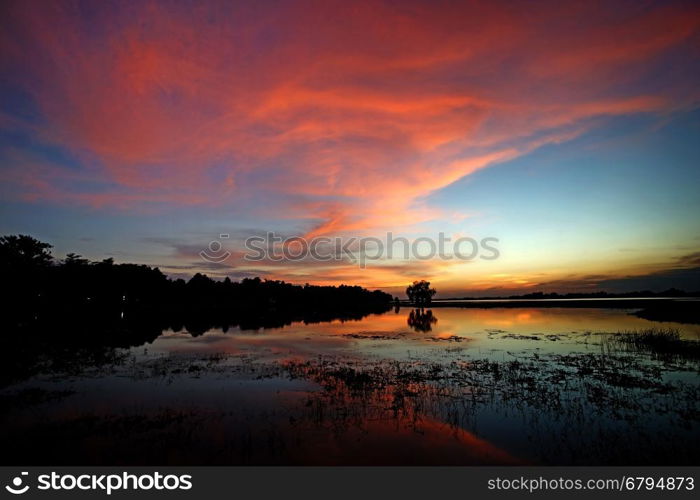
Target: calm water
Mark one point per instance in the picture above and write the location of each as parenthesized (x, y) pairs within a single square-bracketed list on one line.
[(447, 386)]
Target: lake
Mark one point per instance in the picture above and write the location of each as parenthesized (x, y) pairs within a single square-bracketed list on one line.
[(516, 385)]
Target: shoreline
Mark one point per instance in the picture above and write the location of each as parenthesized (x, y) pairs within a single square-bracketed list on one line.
[(613, 303), (677, 310)]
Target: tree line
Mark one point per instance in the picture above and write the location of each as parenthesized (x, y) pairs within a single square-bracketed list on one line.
[(36, 282), (67, 314)]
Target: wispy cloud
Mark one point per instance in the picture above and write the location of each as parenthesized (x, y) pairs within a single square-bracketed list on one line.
[(342, 116)]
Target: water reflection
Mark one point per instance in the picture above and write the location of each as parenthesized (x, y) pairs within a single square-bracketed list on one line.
[(68, 343), (483, 386), (421, 320)]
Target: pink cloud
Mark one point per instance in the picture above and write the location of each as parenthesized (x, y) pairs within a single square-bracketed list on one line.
[(356, 111)]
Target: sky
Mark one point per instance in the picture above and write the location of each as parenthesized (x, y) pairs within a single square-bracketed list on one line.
[(567, 131)]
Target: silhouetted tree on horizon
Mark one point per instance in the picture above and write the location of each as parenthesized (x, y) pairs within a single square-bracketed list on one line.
[(419, 293), (21, 252)]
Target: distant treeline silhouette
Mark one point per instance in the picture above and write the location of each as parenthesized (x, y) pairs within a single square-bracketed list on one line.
[(35, 282), (74, 312), (671, 292)]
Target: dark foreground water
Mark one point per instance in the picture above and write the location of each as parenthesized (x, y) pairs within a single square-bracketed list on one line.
[(447, 386)]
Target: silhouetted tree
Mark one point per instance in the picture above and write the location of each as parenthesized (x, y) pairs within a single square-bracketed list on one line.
[(419, 293), (24, 264), (73, 259), (24, 252)]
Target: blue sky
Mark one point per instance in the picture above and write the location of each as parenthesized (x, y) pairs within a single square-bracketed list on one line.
[(144, 131)]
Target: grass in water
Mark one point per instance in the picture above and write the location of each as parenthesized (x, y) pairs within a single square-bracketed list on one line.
[(661, 342)]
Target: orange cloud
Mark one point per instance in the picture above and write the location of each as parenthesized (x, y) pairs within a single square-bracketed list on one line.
[(347, 115)]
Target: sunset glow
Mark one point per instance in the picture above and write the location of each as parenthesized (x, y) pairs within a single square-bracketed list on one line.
[(144, 130)]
